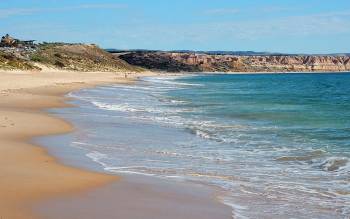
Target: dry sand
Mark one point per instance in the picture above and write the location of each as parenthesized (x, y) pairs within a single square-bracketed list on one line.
[(28, 175)]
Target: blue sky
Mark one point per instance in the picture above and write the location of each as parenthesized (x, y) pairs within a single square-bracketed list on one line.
[(299, 26)]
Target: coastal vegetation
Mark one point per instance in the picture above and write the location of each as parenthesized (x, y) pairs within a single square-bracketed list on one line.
[(79, 57), (9, 61), (15, 55), (26, 55)]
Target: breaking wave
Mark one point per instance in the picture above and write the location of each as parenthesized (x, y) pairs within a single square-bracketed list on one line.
[(336, 164), (273, 155)]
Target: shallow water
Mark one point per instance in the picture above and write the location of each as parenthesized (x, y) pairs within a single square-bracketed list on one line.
[(279, 145)]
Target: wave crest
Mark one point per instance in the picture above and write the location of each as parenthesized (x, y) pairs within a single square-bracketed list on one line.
[(335, 164)]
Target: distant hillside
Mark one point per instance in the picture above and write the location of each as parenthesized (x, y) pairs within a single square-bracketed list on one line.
[(199, 62), (79, 57), (246, 53), (26, 55), (157, 62), (235, 53), (75, 57)]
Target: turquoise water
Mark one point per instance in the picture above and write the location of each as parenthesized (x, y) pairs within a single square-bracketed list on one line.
[(277, 145)]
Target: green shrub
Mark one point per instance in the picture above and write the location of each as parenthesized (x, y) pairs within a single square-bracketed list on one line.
[(36, 58)]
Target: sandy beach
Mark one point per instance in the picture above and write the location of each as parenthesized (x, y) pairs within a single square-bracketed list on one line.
[(30, 176), (174, 109), (28, 173)]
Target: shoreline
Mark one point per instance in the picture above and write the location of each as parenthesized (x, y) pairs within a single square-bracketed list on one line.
[(29, 174), (266, 72), (25, 97), (134, 114)]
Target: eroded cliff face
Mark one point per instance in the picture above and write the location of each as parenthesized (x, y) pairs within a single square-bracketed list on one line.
[(191, 62)]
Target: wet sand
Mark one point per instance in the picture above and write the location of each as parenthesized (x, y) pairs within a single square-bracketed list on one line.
[(139, 197), (30, 176)]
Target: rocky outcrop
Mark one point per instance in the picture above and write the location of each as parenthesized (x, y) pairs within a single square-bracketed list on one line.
[(193, 62)]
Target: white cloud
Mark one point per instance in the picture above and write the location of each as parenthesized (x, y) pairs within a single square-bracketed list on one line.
[(17, 11), (229, 32), (307, 25), (252, 10), (98, 6), (222, 11), (9, 12), (139, 31)]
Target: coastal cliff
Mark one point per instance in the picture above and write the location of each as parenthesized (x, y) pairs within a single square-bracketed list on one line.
[(18, 54), (198, 62)]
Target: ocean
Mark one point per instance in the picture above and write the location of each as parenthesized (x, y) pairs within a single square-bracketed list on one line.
[(276, 145)]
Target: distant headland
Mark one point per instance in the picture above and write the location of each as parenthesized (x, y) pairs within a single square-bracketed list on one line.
[(16, 54), (233, 61)]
